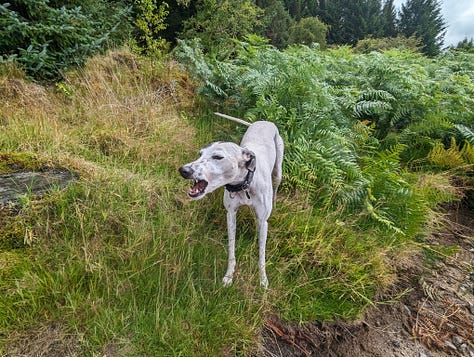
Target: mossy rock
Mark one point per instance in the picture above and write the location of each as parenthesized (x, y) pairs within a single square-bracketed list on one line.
[(25, 173), (15, 162)]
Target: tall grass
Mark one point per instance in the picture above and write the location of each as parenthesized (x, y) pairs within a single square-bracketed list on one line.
[(120, 257), (124, 262)]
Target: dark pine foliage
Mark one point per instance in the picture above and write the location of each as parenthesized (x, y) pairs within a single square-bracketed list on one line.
[(389, 19), (423, 19)]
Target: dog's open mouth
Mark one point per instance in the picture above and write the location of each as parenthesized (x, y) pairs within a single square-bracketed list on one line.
[(198, 188)]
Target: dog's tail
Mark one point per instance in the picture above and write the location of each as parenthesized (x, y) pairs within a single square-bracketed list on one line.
[(237, 120)]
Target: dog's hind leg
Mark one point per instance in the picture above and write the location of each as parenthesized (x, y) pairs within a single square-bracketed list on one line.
[(277, 168), (231, 228), (262, 213)]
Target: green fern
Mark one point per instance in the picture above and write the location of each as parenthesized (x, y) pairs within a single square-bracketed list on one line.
[(364, 108), (453, 157), (466, 132), (348, 120)]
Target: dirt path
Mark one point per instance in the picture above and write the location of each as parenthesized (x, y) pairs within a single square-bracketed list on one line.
[(433, 312)]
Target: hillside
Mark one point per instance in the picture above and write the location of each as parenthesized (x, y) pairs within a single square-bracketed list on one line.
[(429, 311), (121, 263)]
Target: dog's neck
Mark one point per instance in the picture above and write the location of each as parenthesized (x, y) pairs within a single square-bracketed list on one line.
[(242, 186)]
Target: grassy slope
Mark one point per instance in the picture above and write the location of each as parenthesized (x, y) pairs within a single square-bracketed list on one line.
[(121, 257), (123, 261)]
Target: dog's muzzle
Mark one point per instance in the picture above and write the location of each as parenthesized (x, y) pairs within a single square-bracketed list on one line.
[(199, 186), (186, 171)]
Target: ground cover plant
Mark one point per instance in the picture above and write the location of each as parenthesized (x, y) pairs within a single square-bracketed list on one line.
[(121, 263), (350, 120)]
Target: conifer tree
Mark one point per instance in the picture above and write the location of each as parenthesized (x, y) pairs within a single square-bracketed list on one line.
[(276, 22), (423, 19), (352, 20), (389, 19), (465, 45), (371, 17), (48, 37), (295, 8)]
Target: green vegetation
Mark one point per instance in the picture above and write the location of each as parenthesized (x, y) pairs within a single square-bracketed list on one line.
[(47, 38), (308, 31), (149, 21), (121, 261), (423, 18), (12, 162), (341, 113), (111, 257), (217, 23)]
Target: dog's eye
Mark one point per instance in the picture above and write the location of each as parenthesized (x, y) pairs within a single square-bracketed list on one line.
[(217, 157)]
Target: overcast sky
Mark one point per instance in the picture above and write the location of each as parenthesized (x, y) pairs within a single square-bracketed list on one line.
[(459, 18)]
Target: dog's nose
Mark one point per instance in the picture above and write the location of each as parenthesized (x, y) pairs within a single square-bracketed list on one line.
[(186, 171)]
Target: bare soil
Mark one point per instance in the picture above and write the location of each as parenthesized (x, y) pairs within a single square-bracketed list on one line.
[(429, 311)]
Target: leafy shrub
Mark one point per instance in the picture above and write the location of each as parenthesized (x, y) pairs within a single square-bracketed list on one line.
[(370, 44), (149, 22), (47, 39), (218, 23), (308, 31)]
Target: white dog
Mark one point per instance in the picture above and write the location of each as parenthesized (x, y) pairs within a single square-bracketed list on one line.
[(251, 174)]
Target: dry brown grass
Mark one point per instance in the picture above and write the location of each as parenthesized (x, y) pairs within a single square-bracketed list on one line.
[(118, 106), (53, 340)]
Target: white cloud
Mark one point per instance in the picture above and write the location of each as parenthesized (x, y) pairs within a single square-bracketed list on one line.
[(459, 18)]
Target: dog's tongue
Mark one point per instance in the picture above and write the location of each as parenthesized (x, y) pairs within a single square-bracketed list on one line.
[(198, 188)]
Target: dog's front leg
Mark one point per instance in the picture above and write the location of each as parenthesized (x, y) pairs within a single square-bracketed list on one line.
[(262, 242), (231, 228)]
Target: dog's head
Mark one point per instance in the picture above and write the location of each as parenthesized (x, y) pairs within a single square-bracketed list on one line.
[(219, 164)]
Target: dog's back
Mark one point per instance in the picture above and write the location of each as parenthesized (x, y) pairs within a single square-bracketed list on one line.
[(263, 138)]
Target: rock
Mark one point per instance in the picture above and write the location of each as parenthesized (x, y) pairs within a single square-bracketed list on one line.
[(458, 340), (32, 182), (396, 344), (450, 345)]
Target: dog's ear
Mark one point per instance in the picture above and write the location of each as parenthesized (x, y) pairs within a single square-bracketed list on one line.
[(250, 160)]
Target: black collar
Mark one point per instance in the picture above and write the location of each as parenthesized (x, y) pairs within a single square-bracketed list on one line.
[(243, 186)]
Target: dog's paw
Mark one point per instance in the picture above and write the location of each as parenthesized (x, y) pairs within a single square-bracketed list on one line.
[(264, 283), (227, 280)]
